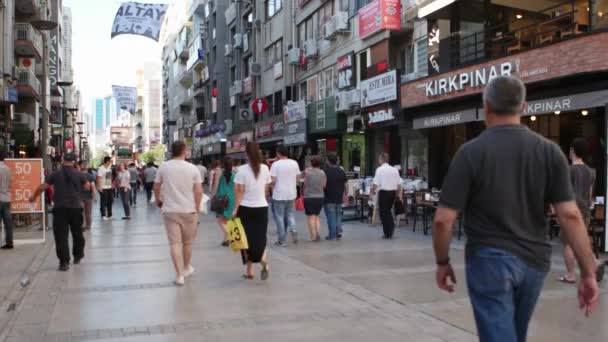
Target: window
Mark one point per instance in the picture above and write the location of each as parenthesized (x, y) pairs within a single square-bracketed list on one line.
[(274, 53), (246, 62), (272, 7), (325, 13), (311, 89), (344, 5), (421, 57), (309, 29), (326, 83)]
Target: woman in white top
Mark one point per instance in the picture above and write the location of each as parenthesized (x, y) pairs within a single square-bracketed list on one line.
[(124, 188), (252, 184)]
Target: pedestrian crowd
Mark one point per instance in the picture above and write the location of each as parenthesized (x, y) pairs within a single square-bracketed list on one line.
[(503, 184)]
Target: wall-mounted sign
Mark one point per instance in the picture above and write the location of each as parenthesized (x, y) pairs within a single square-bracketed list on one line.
[(379, 89), (346, 70), (295, 111), (567, 103), (379, 15), (295, 133), (11, 94), (433, 34), (259, 106), (380, 115), (473, 78), (445, 119), (263, 129), (320, 120), (247, 85), (237, 143)]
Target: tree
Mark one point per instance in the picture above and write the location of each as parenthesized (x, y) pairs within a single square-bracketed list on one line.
[(98, 160), (155, 155)]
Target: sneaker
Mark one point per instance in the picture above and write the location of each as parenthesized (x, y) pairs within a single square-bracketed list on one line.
[(105, 218), (77, 261), (265, 272), (280, 244), (339, 236), (63, 267), (8, 246), (179, 281), (126, 218), (294, 237), (189, 271)]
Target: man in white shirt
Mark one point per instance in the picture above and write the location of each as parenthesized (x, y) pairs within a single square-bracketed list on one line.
[(203, 171), (104, 186), (285, 173), (387, 183), (178, 191)]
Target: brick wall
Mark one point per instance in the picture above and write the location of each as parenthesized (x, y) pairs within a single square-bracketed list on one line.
[(574, 56)]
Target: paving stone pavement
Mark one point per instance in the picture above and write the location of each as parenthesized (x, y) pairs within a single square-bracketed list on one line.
[(359, 289)]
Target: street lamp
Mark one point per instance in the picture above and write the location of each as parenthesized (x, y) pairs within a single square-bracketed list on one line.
[(44, 25)]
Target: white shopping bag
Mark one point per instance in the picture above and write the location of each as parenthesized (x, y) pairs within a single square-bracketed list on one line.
[(203, 209), (152, 199)]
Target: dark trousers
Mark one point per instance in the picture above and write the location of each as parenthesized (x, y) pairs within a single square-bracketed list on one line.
[(66, 220), (5, 214), (106, 199), (125, 195), (386, 200), (133, 193), (149, 186)]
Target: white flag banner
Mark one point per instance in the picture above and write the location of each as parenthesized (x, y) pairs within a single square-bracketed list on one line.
[(139, 19), (126, 97)]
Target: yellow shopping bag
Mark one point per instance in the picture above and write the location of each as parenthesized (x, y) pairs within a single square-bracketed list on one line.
[(238, 238)]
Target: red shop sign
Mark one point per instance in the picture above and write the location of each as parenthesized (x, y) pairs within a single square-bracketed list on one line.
[(259, 105)]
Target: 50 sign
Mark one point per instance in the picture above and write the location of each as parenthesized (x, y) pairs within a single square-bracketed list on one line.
[(26, 176)]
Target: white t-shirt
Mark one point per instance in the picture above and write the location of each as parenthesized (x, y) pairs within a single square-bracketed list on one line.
[(286, 172), (105, 173), (124, 179), (178, 178), (387, 178), (203, 171), (255, 188)]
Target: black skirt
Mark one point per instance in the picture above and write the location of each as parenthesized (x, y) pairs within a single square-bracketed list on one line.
[(313, 206), (255, 223)]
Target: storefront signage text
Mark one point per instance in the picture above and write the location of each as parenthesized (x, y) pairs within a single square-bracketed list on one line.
[(238, 142), (445, 119), (320, 122), (295, 133), (379, 15), (295, 111), (263, 129), (381, 116), (379, 89), (345, 71), (475, 78), (247, 85)]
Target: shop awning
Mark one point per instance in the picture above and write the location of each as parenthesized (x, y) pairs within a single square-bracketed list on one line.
[(433, 6)]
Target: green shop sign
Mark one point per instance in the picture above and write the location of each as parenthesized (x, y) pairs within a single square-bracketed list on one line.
[(322, 116)]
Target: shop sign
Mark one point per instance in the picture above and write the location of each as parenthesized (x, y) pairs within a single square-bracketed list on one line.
[(295, 111), (379, 15), (201, 132), (346, 70), (320, 122), (247, 85), (566, 103), (26, 175), (278, 126), (12, 95), (379, 89), (446, 119), (237, 143), (322, 116), (212, 149), (295, 133), (263, 129), (381, 115), (474, 78)]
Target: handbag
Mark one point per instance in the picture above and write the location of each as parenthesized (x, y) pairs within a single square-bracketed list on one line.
[(236, 232), (300, 203), (220, 201)]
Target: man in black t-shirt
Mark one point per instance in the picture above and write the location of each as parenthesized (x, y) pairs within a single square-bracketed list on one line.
[(334, 192), (69, 183), (503, 181)]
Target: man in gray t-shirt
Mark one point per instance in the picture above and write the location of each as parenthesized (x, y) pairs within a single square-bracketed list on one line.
[(503, 182)]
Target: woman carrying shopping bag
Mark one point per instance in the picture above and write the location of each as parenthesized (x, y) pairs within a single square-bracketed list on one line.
[(225, 194), (252, 184)]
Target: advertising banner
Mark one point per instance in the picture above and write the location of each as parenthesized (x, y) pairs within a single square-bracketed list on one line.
[(139, 19), (295, 111), (26, 176), (346, 70), (295, 133), (379, 15), (126, 97), (379, 89)]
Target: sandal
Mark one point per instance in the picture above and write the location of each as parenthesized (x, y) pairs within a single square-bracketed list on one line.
[(265, 272), (563, 279), (247, 276)]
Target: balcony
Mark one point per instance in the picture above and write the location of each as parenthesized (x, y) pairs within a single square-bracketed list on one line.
[(28, 8), (198, 7), (28, 41), (28, 84), (182, 49), (185, 78)]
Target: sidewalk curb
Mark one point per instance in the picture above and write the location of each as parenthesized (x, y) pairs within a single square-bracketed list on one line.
[(17, 294)]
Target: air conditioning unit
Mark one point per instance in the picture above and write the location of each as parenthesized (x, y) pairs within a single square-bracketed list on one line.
[(238, 40), (255, 69), (346, 100), (238, 85), (228, 50), (293, 56), (328, 31), (340, 21), (310, 48), (26, 63)]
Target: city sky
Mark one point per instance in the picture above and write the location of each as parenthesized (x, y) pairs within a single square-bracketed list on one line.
[(100, 61)]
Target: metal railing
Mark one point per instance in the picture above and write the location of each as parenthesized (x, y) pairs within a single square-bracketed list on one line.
[(26, 77), (499, 41), (25, 31)]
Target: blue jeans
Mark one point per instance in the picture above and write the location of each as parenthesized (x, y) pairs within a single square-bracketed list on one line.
[(333, 213), (284, 219), (5, 215), (503, 290)]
